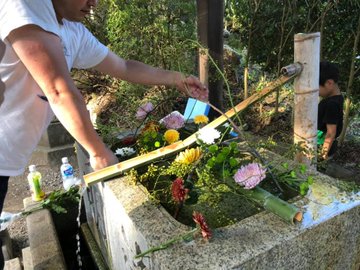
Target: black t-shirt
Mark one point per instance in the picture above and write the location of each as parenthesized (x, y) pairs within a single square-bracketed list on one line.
[(330, 111)]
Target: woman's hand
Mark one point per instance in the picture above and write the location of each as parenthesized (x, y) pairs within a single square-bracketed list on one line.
[(191, 86)]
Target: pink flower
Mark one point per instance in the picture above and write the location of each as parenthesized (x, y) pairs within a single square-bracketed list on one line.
[(144, 110), (178, 190), (174, 120), (200, 221), (250, 175)]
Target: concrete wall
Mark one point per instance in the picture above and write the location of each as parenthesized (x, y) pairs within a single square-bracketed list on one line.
[(129, 223)]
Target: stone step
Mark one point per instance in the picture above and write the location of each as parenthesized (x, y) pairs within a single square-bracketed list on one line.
[(6, 247), (45, 248), (13, 264), (27, 259)]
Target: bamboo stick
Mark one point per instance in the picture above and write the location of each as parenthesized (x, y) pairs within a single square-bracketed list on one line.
[(120, 168), (307, 52), (271, 203)]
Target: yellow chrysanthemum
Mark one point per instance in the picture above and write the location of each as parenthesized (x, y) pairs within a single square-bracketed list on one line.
[(171, 136), (201, 119), (189, 156)]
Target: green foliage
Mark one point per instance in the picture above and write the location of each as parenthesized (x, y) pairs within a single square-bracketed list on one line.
[(268, 28), (154, 32), (150, 140), (294, 177), (57, 201)]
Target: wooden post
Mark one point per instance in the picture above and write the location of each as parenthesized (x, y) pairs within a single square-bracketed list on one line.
[(216, 50), (202, 31), (307, 53)]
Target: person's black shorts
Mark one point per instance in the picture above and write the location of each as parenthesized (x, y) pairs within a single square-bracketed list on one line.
[(4, 180)]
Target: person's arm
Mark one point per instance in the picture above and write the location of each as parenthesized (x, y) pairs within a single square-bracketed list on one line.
[(137, 72), (329, 139), (42, 54)]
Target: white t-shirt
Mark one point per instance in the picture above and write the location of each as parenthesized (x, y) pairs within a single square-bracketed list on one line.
[(24, 116)]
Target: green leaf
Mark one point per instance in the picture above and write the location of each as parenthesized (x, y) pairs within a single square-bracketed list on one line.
[(302, 168), (233, 145), (310, 180), (226, 151), (220, 158), (304, 187), (285, 165), (226, 174), (210, 163), (213, 148), (233, 162)]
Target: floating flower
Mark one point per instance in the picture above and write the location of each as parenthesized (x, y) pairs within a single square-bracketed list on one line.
[(249, 176), (178, 190), (171, 136), (144, 110), (208, 135), (125, 151), (189, 156), (201, 119), (200, 221), (174, 120)]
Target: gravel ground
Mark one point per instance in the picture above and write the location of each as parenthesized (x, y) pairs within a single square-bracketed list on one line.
[(19, 190)]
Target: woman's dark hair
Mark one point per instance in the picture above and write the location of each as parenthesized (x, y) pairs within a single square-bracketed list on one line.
[(328, 71)]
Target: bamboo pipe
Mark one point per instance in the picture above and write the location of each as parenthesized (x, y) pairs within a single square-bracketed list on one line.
[(307, 53)]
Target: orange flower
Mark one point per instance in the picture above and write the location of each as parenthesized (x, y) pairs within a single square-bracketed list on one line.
[(171, 136)]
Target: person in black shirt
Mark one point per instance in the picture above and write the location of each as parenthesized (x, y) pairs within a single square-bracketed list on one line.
[(330, 110)]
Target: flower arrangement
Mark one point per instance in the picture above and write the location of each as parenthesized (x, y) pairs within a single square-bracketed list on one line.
[(216, 175), (204, 177)]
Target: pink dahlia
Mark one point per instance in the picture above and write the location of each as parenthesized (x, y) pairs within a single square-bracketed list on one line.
[(178, 190), (174, 120), (250, 175), (144, 110)]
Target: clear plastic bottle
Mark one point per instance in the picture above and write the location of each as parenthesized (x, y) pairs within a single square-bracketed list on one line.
[(34, 178), (67, 173)]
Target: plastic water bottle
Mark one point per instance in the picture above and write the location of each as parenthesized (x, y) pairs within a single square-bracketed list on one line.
[(34, 178), (67, 173)]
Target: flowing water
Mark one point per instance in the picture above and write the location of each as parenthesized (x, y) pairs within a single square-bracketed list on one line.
[(78, 256)]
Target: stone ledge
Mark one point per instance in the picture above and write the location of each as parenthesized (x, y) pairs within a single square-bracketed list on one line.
[(13, 264), (27, 259), (45, 248)]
